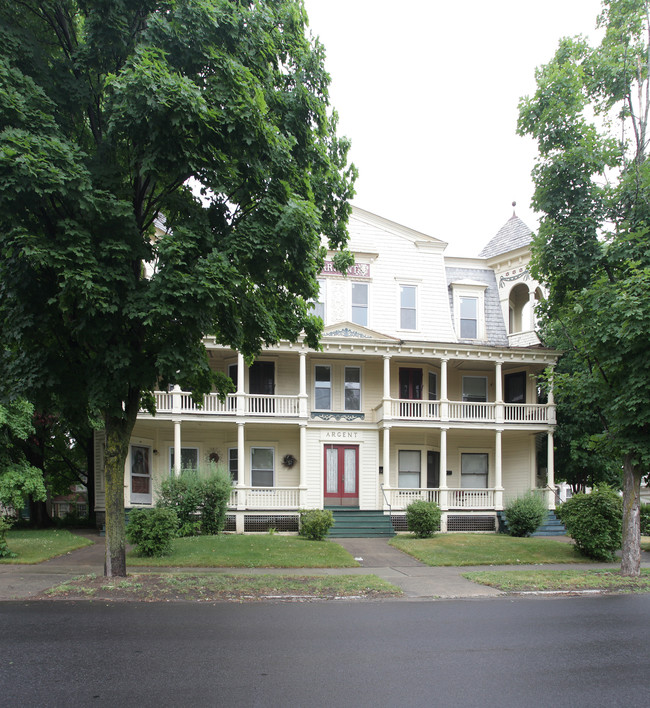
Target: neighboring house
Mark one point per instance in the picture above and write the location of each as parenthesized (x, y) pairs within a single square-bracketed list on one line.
[(425, 388)]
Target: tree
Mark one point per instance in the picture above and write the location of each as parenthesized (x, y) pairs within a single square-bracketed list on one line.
[(18, 479), (167, 168), (589, 116)]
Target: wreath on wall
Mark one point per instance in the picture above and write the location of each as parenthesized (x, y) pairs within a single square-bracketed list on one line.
[(213, 457), (289, 460)]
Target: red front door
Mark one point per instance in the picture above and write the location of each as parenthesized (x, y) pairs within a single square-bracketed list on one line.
[(341, 475)]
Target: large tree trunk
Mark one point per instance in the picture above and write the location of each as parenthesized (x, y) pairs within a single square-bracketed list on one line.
[(631, 559), (118, 435)]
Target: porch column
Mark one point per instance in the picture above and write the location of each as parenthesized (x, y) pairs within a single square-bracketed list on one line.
[(386, 458), (550, 471), (444, 400), (551, 402), (303, 465), (302, 393), (241, 400), (498, 471), (177, 447), (499, 405), (388, 413), (443, 494)]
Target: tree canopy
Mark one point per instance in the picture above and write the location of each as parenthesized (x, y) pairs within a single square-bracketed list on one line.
[(167, 169), (589, 117)]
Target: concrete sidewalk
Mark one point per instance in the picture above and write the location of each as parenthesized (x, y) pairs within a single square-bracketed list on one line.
[(376, 557)]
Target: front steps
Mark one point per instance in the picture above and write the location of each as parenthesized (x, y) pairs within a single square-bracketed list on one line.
[(350, 522), (551, 527)]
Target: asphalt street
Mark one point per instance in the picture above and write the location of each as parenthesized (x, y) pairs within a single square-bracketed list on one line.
[(579, 651)]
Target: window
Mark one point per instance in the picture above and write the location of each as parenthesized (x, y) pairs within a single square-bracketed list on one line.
[(262, 466), (233, 463), (319, 304), (468, 318), (408, 311), (409, 469), (474, 389), (360, 303), (474, 470), (433, 386), (189, 458), (140, 474), (352, 393), (323, 388)]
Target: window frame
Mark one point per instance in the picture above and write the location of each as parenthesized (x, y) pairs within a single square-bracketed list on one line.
[(360, 307), (319, 302), (434, 375), (235, 459), (404, 309), (401, 472), (470, 290), (253, 469), (329, 387), (358, 387), (475, 453), (475, 377), (464, 320), (183, 447)]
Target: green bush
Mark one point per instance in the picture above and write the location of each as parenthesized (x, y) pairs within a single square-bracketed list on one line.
[(215, 495), (152, 530), (316, 523), (423, 518), (525, 514), (5, 525), (594, 522), (199, 498), (645, 519), (183, 495)]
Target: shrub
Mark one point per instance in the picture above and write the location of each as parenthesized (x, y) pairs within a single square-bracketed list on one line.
[(5, 525), (645, 519), (199, 498), (152, 530), (316, 523), (525, 514), (183, 495), (215, 495), (423, 518), (594, 522)]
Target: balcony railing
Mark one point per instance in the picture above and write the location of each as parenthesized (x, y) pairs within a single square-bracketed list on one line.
[(401, 498), (288, 406)]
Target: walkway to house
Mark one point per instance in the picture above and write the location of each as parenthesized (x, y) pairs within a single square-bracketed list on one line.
[(376, 557)]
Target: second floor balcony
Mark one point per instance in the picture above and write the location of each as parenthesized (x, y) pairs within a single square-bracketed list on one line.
[(181, 403)]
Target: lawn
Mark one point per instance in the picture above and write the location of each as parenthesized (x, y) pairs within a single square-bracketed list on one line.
[(561, 580), (37, 545), (237, 551), (460, 549), (223, 587)]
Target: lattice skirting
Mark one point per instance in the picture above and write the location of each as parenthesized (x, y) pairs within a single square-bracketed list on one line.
[(264, 522), (455, 522)]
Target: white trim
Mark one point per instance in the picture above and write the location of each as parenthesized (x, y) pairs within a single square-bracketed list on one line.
[(470, 289)]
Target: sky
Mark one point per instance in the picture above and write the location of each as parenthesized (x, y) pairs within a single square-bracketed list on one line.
[(428, 92)]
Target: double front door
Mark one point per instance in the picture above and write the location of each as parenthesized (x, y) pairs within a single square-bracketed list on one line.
[(341, 475)]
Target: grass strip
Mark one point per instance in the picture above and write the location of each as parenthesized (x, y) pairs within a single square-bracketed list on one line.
[(459, 549), (561, 580), (152, 587), (37, 545), (238, 551)]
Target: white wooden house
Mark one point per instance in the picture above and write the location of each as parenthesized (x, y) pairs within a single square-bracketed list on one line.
[(425, 388)]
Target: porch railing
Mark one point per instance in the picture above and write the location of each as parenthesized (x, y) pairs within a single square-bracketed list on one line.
[(265, 498), (272, 405), (401, 498), (471, 499), (526, 413), (415, 410), (463, 410)]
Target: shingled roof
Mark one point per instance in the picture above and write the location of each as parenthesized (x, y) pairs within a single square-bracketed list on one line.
[(512, 235)]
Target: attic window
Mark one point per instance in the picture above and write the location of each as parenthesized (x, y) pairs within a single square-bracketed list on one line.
[(469, 309)]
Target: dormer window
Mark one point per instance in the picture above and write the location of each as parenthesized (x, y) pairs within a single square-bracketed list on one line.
[(468, 317), (469, 309)]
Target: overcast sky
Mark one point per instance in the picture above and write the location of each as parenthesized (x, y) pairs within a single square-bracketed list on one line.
[(428, 90)]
